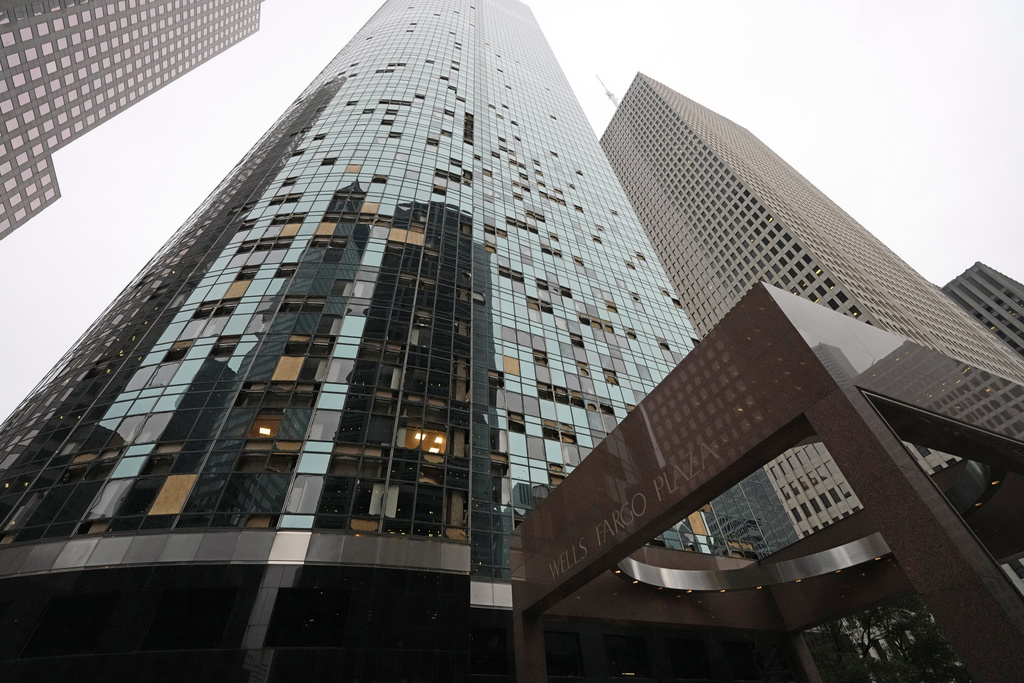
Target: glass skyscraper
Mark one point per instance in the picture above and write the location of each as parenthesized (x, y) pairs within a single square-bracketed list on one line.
[(298, 441), (66, 66)]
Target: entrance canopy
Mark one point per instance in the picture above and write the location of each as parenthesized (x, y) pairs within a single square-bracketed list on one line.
[(777, 372)]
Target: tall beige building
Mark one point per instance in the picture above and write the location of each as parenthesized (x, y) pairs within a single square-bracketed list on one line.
[(68, 65), (725, 212)]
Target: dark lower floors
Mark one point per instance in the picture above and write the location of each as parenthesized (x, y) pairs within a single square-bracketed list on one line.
[(250, 623)]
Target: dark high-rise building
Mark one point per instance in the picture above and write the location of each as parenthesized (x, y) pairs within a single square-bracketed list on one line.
[(725, 212), (298, 442), (993, 298), (66, 66)]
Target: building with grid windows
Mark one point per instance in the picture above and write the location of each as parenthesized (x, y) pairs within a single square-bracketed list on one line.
[(298, 442), (725, 212), (993, 298), (66, 66)]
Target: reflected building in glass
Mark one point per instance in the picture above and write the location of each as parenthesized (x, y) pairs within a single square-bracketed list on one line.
[(67, 66), (298, 441), (725, 212)]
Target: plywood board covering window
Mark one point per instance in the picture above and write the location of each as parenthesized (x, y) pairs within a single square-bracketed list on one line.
[(407, 236), (237, 289), (326, 228), (353, 168), (364, 525), (511, 365), (697, 524), (288, 368), (172, 496)]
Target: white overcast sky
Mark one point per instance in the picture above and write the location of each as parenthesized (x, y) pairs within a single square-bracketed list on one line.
[(909, 114)]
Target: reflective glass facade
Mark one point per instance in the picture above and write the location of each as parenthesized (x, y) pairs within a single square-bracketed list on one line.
[(414, 307), (68, 65), (408, 313)]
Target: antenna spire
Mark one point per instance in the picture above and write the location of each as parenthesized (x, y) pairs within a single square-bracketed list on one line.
[(613, 98)]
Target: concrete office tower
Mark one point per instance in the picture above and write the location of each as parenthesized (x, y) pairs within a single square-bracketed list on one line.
[(724, 212), (67, 66), (993, 298), (296, 444)]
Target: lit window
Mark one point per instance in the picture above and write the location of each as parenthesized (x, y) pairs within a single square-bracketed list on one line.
[(266, 426), (429, 440)]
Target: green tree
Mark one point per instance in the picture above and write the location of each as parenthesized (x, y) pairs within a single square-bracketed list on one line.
[(893, 643)]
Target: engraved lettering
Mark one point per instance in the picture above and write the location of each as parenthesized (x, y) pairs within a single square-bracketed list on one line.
[(625, 511), (660, 482), (601, 531), (568, 559), (682, 468), (633, 505)]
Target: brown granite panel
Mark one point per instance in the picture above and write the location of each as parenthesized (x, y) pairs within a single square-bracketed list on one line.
[(610, 596), (965, 589), (801, 662), (528, 631), (815, 601), (731, 406), (774, 372), (844, 531)]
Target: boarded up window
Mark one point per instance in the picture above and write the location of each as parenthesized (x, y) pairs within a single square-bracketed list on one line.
[(326, 228), (364, 525), (173, 494), (237, 289), (407, 236), (288, 368)]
